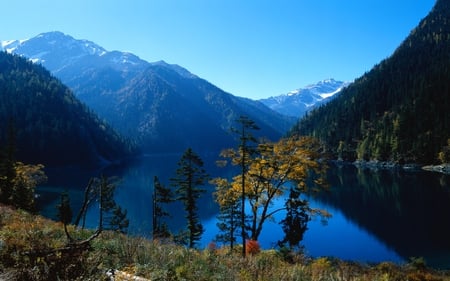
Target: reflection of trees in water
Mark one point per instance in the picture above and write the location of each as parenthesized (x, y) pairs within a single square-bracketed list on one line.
[(407, 211), (444, 181)]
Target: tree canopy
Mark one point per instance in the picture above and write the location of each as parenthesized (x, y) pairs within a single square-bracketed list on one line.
[(188, 181), (289, 167)]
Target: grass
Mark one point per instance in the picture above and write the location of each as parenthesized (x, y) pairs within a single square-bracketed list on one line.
[(22, 234)]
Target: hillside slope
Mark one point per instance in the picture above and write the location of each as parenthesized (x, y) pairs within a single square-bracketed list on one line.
[(399, 110), (51, 126)]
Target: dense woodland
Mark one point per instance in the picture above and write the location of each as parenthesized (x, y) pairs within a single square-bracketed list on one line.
[(399, 110), (48, 124)]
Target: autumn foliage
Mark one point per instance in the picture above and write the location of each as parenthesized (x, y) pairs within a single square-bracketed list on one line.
[(274, 171), (252, 247)]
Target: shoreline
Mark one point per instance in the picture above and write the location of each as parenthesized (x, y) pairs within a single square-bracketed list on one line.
[(413, 167)]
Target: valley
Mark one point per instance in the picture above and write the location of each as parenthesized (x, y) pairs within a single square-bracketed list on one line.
[(344, 153)]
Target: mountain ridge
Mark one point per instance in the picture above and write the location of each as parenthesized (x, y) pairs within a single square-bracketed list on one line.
[(298, 102), (397, 111), (162, 106)]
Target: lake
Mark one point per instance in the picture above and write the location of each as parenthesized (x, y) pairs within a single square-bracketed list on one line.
[(384, 215)]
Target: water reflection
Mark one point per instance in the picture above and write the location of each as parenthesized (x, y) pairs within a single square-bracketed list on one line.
[(408, 211), (377, 215)]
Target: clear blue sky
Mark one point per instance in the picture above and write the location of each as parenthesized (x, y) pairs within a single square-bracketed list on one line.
[(251, 48)]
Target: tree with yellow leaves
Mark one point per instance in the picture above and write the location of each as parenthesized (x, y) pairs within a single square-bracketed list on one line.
[(278, 168), (229, 211), (26, 179)]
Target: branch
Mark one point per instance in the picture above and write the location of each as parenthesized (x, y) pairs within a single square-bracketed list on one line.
[(274, 212), (67, 233), (86, 202)]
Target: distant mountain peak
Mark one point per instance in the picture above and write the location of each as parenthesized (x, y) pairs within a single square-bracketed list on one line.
[(56, 51), (177, 68), (297, 102), (160, 106), (57, 37)]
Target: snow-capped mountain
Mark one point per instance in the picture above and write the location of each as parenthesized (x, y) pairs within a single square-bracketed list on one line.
[(161, 106), (297, 102), (59, 52)]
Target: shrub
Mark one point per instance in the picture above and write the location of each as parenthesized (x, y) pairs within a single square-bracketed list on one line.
[(252, 247), (320, 269)]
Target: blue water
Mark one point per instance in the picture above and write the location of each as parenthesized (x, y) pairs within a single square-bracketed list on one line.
[(338, 237), (376, 215)]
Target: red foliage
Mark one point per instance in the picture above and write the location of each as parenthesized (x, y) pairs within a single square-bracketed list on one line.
[(252, 247), (212, 246)]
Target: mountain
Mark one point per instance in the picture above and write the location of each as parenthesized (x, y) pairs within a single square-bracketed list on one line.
[(296, 103), (162, 106), (399, 110), (51, 126)]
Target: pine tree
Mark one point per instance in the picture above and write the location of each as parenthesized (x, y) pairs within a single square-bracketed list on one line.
[(229, 212), (161, 195), (190, 176), (115, 217), (65, 211), (102, 190), (243, 158)]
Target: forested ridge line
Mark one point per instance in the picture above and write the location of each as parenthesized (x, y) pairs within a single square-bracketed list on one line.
[(399, 110)]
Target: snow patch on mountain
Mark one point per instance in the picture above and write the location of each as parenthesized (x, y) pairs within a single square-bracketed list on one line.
[(10, 45), (299, 101), (56, 51)]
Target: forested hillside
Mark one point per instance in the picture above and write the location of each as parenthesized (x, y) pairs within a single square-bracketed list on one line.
[(162, 107), (398, 111), (46, 123)]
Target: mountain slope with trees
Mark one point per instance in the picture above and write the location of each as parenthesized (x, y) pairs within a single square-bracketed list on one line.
[(48, 123), (162, 106), (399, 110)]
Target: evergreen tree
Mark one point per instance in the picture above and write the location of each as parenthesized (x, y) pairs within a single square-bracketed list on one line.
[(102, 190), (190, 176), (161, 195), (119, 221), (229, 212), (7, 162), (243, 157), (115, 217), (65, 211)]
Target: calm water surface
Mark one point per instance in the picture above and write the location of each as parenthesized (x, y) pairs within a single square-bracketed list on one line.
[(376, 215)]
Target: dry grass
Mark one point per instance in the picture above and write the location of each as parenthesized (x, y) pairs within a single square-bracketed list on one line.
[(21, 232)]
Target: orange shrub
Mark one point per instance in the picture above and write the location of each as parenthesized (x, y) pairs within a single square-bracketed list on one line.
[(252, 247)]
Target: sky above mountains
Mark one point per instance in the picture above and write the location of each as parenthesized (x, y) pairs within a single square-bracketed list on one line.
[(254, 48)]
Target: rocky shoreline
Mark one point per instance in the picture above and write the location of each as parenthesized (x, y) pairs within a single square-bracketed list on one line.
[(443, 168), (375, 165)]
